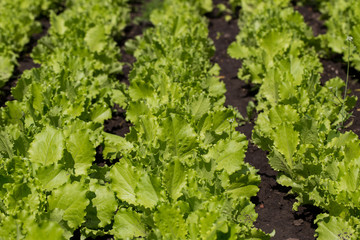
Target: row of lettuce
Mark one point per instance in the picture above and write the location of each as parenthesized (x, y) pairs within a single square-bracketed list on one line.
[(181, 174), (17, 24), (178, 174), (49, 186), (299, 118), (342, 19)]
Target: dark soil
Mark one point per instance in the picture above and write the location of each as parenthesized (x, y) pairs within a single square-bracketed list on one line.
[(134, 29), (118, 124), (312, 18), (25, 62)]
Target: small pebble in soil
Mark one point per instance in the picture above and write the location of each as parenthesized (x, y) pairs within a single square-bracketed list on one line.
[(298, 222)]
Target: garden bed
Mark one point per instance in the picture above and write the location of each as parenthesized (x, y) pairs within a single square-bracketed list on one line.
[(273, 203)]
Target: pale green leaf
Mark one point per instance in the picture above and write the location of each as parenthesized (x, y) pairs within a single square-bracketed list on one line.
[(286, 140), (208, 225), (285, 180), (333, 228), (127, 224), (175, 179), (57, 24), (149, 128), (277, 161), (135, 110), (5, 144), (340, 139), (52, 176), (170, 222), (206, 5), (308, 131), (297, 69), (146, 192), (37, 97), (274, 42), (115, 145), (179, 135), (96, 38), (123, 181), (47, 147), (356, 37), (241, 190), (192, 222), (6, 69), (238, 51), (349, 181), (283, 113), (81, 150), (270, 89), (216, 88), (218, 121), (45, 230), (141, 90), (105, 204), (199, 106), (228, 155), (352, 150), (69, 203), (100, 113)]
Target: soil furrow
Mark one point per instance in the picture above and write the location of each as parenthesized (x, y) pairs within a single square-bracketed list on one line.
[(25, 62), (118, 124)]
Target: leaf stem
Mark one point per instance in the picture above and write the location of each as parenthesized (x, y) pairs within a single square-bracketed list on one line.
[(348, 69), (349, 39)]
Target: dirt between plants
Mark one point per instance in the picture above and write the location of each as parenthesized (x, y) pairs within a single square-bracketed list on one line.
[(118, 124), (25, 62)]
